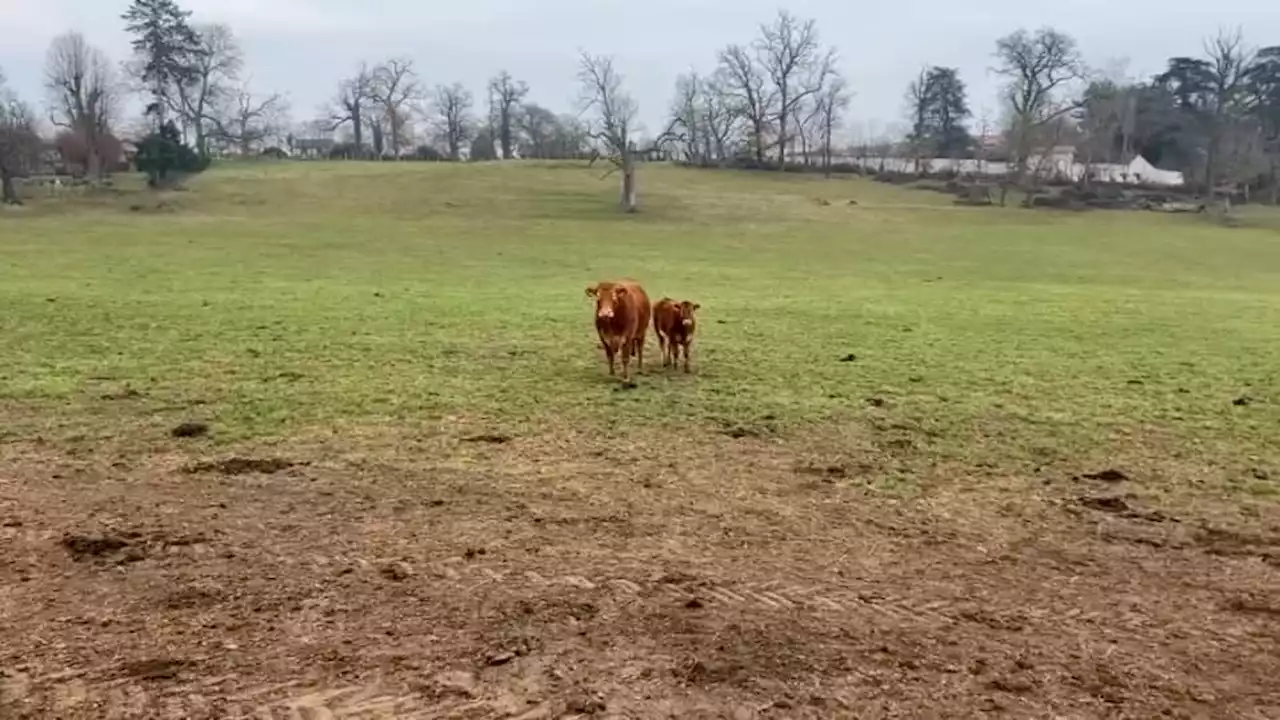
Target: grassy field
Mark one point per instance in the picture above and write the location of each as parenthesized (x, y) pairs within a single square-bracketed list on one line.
[(891, 395), (290, 297)]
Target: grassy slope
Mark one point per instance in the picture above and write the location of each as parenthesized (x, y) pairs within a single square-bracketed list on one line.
[(291, 297)]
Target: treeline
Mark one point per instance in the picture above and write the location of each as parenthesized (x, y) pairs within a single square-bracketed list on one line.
[(386, 111), (776, 100)]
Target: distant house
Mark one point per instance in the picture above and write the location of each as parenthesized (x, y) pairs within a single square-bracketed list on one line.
[(1058, 161), (1137, 171), (50, 161), (312, 148), (128, 153)]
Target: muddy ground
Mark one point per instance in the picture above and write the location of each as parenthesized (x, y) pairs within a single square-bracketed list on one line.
[(562, 575)]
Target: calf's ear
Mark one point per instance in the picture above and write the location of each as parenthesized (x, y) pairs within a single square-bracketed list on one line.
[(696, 306), (592, 290)]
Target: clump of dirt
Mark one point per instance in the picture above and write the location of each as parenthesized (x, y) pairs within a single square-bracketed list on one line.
[(242, 466), (765, 427), (713, 651), (190, 430), (127, 393), (1225, 542), (1110, 475), (155, 668), (501, 658), (584, 703), (491, 438), (831, 472), (851, 357), (193, 597), (124, 547), (84, 547), (396, 571), (1242, 401), (1254, 606), (1118, 505)]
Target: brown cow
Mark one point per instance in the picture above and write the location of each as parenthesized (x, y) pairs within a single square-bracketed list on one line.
[(674, 324), (622, 321)]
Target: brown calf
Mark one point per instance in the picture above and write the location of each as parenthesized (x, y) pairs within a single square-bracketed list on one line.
[(622, 321), (674, 324)]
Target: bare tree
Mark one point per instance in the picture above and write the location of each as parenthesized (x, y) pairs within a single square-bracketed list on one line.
[(687, 116), (83, 93), (505, 96), (19, 143), (1228, 77), (615, 117), (394, 86), (797, 66), (215, 71), (541, 128), (703, 118), (351, 106), (245, 119), (746, 84), (832, 103), (1213, 99), (807, 117), (1039, 68), (719, 121), (453, 105)]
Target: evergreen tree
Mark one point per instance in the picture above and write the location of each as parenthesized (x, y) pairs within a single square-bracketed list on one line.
[(167, 49)]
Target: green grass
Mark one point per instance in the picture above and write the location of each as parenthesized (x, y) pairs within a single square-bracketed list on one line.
[(277, 299)]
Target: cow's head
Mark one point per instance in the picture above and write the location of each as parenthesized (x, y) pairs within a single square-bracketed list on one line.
[(686, 309), (608, 296)]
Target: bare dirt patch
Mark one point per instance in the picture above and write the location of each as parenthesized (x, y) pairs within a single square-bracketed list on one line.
[(242, 466), (576, 576)]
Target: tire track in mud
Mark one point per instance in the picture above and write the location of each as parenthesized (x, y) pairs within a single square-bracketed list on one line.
[(103, 692), (98, 695)]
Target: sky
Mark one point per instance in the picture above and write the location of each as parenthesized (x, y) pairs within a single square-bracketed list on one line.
[(303, 48)]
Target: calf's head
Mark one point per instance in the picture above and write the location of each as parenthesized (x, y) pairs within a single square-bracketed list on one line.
[(686, 309), (609, 298)]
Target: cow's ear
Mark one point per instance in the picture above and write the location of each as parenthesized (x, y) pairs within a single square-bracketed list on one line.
[(592, 290), (696, 306)]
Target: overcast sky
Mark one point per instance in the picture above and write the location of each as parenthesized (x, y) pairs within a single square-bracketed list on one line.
[(303, 47)]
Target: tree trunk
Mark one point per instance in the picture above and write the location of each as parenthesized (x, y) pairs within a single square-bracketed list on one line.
[(202, 143), (505, 140), (758, 126), (357, 129), (629, 185), (1275, 181), (8, 192), (93, 161)]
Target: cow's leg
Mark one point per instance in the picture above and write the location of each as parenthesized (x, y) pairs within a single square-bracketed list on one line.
[(626, 364), (608, 352), (687, 343), (639, 346), (662, 348)]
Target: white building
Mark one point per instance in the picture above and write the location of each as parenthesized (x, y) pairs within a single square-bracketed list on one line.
[(1060, 163)]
